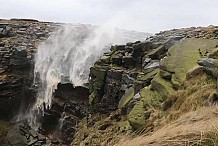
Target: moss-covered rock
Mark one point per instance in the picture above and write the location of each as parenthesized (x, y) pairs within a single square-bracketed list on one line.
[(184, 55), (96, 83), (136, 117), (125, 126), (116, 58), (147, 76), (162, 86), (165, 74), (151, 98), (126, 97), (105, 59), (157, 53), (175, 84)]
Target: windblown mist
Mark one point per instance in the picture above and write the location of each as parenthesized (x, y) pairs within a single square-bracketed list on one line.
[(67, 56)]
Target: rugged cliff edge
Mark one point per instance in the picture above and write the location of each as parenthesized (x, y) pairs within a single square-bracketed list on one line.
[(140, 87), (136, 88)]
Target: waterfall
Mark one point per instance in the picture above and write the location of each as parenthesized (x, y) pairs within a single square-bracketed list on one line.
[(66, 56)]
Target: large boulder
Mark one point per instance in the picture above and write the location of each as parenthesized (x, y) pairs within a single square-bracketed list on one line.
[(136, 117), (162, 86), (184, 55)]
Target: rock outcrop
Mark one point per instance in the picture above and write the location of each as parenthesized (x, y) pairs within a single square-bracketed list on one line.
[(136, 79), (18, 42), (19, 39)]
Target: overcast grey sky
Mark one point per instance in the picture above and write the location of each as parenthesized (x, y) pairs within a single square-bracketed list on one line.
[(141, 15)]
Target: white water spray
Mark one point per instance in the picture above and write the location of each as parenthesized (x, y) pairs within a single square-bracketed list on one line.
[(67, 55)]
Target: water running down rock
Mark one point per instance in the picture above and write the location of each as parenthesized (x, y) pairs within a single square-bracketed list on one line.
[(66, 57)]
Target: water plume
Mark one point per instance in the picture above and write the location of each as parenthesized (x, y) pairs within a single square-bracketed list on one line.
[(67, 55)]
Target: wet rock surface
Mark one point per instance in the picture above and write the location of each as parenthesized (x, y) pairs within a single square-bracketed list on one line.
[(18, 42), (19, 39), (69, 107), (22, 135)]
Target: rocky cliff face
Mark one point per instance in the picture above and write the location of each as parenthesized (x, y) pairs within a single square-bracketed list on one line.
[(132, 82), (18, 42), (134, 65), (126, 85), (19, 39)]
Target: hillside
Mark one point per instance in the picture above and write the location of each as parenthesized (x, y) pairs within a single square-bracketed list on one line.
[(159, 88), (62, 85)]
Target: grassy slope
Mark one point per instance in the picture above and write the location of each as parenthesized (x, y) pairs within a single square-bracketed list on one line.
[(190, 121)]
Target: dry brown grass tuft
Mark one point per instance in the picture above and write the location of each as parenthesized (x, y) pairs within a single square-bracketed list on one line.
[(194, 95), (189, 122), (198, 127)]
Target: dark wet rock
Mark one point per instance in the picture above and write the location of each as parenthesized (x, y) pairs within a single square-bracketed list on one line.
[(111, 95), (114, 74), (19, 60), (116, 58), (77, 95), (97, 83), (22, 135), (69, 107), (106, 94), (128, 62), (17, 93), (120, 47), (13, 94), (128, 49)]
